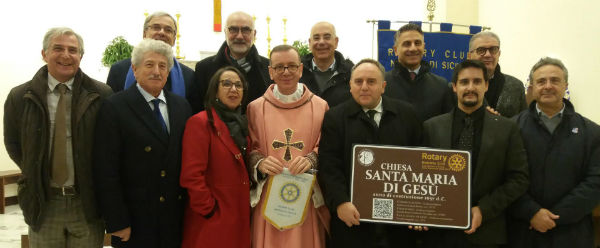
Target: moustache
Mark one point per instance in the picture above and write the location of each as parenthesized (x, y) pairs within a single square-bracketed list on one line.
[(470, 92)]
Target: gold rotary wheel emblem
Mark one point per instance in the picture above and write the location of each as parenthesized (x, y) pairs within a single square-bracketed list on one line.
[(457, 162), (290, 193)]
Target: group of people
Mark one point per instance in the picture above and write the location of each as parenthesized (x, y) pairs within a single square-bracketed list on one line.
[(179, 157)]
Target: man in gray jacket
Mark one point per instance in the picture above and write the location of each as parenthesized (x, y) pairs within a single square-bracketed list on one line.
[(48, 132), (506, 93)]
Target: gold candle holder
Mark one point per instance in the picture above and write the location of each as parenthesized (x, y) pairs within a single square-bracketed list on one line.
[(178, 35), (268, 36), (284, 31)]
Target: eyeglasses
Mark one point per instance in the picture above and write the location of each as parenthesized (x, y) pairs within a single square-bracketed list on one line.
[(482, 50), (227, 84), (158, 28), (291, 68), (246, 31)]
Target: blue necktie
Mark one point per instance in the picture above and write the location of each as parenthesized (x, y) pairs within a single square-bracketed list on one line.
[(158, 115)]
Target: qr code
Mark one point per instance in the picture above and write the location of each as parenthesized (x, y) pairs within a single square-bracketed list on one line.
[(383, 209)]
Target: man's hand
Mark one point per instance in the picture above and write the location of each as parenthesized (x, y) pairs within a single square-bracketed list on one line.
[(299, 165), (418, 228), (543, 220), (123, 234), (492, 110), (270, 166), (348, 214), (475, 220)]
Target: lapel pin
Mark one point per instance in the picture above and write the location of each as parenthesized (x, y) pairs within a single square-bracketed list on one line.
[(575, 130)]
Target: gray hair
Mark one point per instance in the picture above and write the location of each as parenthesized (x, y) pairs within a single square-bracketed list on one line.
[(481, 35), (159, 14), (150, 45), (370, 61), (549, 61), (58, 31)]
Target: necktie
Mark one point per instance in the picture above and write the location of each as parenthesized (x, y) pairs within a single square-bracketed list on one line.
[(158, 115), (59, 155), (465, 142), (371, 114), (413, 75)]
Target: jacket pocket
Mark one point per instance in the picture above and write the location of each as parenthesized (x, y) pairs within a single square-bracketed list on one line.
[(29, 202)]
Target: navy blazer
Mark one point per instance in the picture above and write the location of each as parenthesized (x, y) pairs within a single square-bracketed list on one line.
[(118, 74), (137, 167)]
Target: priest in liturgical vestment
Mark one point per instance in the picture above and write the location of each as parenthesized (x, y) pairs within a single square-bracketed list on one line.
[(285, 127)]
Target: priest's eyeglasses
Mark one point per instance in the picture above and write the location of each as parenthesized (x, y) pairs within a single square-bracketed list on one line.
[(158, 28), (291, 68), (246, 31), (227, 84), (482, 50)]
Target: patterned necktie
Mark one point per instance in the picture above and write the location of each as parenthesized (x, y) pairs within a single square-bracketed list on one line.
[(413, 75), (371, 114), (465, 142), (59, 155), (158, 115)]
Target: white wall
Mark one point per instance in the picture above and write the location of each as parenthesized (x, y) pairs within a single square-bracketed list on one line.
[(569, 30), (26, 21)]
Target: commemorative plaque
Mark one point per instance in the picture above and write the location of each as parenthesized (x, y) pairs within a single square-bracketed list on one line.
[(412, 186)]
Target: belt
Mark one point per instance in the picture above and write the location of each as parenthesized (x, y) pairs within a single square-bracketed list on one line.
[(63, 191)]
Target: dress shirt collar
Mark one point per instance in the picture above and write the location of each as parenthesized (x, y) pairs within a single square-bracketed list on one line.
[(53, 82), (148, 97)]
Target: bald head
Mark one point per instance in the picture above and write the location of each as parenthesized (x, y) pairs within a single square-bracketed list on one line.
[(240, 16), (323, 25)]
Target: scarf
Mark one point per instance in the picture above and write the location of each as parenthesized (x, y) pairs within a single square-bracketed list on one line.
[(177, 83), (236, 123)]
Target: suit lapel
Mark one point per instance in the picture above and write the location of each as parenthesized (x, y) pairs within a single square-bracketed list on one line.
[(142, 110), (446, 133), (490, 123)]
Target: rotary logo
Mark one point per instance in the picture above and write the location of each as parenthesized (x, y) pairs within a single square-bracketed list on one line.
[(289, 192), (457, 162)]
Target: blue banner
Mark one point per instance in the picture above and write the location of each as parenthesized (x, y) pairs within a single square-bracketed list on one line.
[(443, 50)]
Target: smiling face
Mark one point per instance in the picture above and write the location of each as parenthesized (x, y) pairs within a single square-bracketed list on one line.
[(323, 41), (470, 89), (231, 89), (62, 57), (549, 86), (240, 34), (281, 62), (367, 85), (161, 28), (410, 48), (151, 74)]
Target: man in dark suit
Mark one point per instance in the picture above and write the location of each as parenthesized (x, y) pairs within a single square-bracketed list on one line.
[(238, 50), (367, 118), (137, 155), (498, 161), (158, 26), (411, 78)]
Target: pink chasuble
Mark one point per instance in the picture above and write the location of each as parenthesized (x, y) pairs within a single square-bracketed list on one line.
[(284, 131)]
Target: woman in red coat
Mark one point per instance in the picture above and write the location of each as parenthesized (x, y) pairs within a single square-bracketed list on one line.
[(213, 169)]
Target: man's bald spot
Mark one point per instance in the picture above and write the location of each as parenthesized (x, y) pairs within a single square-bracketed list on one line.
[(312, 30), (240, 15)]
